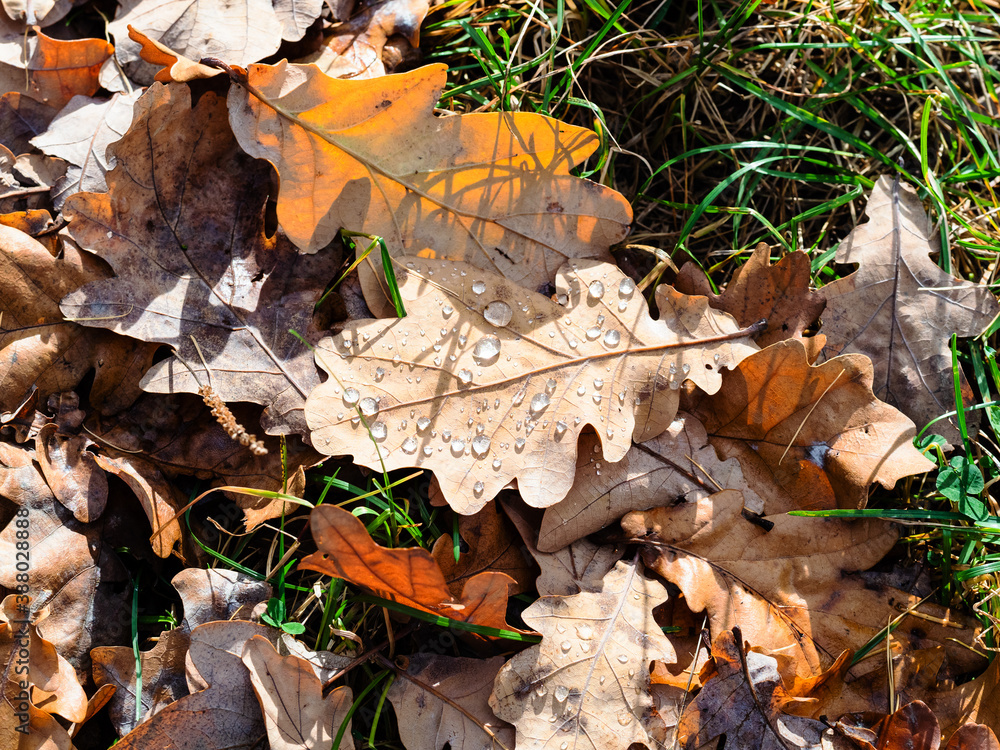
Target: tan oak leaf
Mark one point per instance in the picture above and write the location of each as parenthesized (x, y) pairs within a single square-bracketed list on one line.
[(901, 309), (586, 685), (484, 382)]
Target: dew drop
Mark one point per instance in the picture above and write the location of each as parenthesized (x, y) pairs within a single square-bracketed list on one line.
[(584, 632), (462, 340), (598, 383), (562, 299), (539, 402), (397, 359), (379, 431), (622, 658), (625, 719), (550, 386), (565, 646), (612, 338), (540, 689), (519, 445), (409, 446), (447, 310), (593, 332), (560, 428), (573, 343), (465, 377), (602, 679), (379, 374), (561, 692), (563, 746), (595, 290), (622, 305), (478, 287), (428, 450), (446, 435), (422, 424), (497, 463), (610, 433), (716, 358), (518, 398), (480, 446), (457, 447), (478, 488), (626, 288), (597, 399), (498, 313), (486, 351), (369, 406), (351, 396), (685, 368)]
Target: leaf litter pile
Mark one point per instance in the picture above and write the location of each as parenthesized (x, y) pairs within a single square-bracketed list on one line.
[(227, 273)]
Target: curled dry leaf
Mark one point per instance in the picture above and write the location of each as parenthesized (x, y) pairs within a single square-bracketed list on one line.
[(484, 382), (58, 70), (408, 576), (676, 466), (22, 118), (72, 472), (901, 309), (493, 190), (49, 680), (296, 713), (808, 437), (779, 294), (355, 49), (427, 721), (587, 683), (238, 32), (744, 702), (490, 544), (224, 714), (790, 589), (75, 572), (39, 349), (187, 240), (81, 134), (176, 67)]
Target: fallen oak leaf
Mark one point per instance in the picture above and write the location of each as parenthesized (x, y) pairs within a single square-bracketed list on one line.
[(808, 437), (296, 713), (223, 714), (590, 673), (410, 577), (39, 348), (901, 309), (484, 382), (744, 702), (455, 711), (59, 70), (493, 190), (791, 589), (677, 466), (72, 472), (217, 277), (779, 294), (973, 737)]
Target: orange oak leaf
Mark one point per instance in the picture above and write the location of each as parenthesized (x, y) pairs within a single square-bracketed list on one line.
[(808, 437), (59, 70), (176, 67), (493, 190), (408, 576)]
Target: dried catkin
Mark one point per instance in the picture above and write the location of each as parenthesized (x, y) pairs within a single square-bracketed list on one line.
[(225, 417)]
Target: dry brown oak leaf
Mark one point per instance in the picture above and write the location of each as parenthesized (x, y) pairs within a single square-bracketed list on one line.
[(485, 382), (779, 294), (676, 466), (493, 190), (488, 542), (74, 569), (296, 713), (176, 67), (56, 70), (357, 47), (37, 683), (240, 32), (901, 309), (183, 227), (408, 576), (744, 702), (39, 348), (587, 683), (790, 589), (446, 703), (225, 714), (808, 437)]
